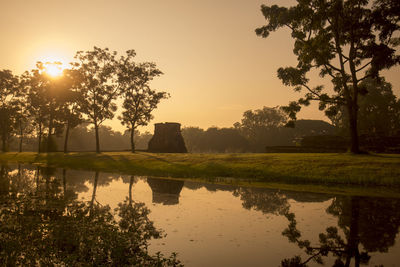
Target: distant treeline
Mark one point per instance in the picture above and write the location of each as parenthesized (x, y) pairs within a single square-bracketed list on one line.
[(260, 130), (237, 139), (81, 138), (214, 139)]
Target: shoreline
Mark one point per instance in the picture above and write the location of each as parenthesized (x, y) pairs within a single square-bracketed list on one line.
[(318, 172)]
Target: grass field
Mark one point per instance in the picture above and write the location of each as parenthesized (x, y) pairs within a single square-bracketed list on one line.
[(314, 169)]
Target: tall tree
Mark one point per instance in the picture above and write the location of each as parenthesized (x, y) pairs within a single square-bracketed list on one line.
[(22, 117), (71, 110), (139, 100), (46, 97), (262, 126), (348, 41), (58, 95), (379, 111), (37, 106), (98, 88), (8, 98)]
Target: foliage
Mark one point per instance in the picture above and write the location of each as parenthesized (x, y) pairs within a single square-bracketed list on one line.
[(139, 100), (262, 127), (41, 225), (260, 199), (214, 140), (71, 113), (46, 98), (262, 118), (347, 41), (372, 223), (379, 110), (97, 86), (9, 94)]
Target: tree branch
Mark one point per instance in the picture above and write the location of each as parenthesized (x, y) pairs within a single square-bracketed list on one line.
[(363, 67)]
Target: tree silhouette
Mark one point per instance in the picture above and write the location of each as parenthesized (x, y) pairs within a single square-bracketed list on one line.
[(45, 101), (71, 110), (36, 102), (348, 41), (262, 126), (379, 110), (262, 199), (22, 117), (8, 99), (370, 222), (139, 100), (51, 228), (97, 87)]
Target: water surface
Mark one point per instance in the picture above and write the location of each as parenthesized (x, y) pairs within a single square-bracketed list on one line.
[(222, 225)]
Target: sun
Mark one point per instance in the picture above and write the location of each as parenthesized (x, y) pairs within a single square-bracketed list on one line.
[(54, 69)]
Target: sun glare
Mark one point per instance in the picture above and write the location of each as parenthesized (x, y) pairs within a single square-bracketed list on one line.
[(54, 69)]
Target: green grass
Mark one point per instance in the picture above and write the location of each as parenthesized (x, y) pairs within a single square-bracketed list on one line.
[(315, 168)]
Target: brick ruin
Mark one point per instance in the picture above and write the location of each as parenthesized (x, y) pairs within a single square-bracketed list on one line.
[(167, 138)]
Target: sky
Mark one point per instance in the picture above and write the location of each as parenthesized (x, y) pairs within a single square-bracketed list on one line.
[(214, 65)]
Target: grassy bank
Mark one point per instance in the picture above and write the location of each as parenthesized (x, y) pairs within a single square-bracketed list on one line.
[(316, 169)]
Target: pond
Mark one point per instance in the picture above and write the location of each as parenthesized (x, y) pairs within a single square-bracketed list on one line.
[(44, 214)]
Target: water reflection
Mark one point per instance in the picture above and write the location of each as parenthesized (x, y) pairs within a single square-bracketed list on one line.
[(369, 225), (165, 192), (208, 224), (43, 224)]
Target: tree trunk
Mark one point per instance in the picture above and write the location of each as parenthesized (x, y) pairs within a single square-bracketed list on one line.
[(40, 138), (49, 136), (21, 136), (353, 239), (66, 139), (130, 190), (96, 129), (96, 178), (354, 142), (133, 140)]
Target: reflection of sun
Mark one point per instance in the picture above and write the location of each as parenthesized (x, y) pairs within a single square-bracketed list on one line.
[(54, 69)]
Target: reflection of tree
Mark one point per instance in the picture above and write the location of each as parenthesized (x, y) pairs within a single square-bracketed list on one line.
[(96, 179), (264, 200), (306, 196), (48, 229), (370, 222), (165, 191)]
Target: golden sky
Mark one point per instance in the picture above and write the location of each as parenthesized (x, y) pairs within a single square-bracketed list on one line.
[(215, 67)]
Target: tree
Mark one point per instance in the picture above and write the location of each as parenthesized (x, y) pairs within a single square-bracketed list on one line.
[(193, 137), (370, 222), (379, 111), (348, 41), (97, 87), (36, 103), (139, 100), (40, 214), (71, 113), (58, 97), (262, 126), (8, 98), (46, 97), (23, 126)]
